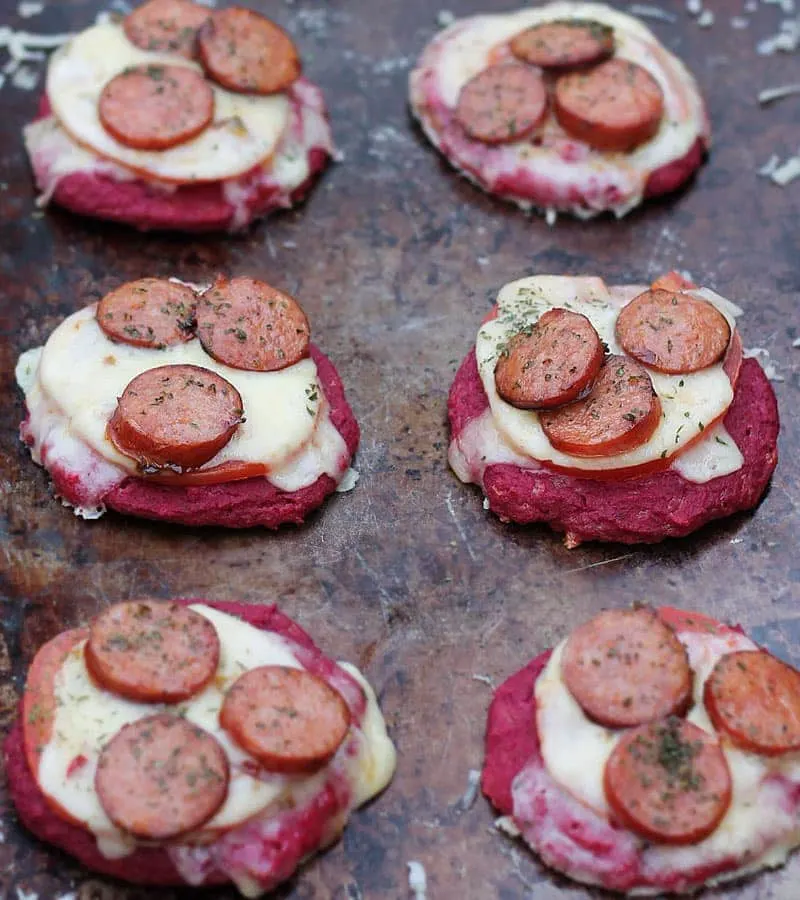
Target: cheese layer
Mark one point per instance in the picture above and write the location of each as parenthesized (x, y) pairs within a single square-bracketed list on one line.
[(689, 403), (71, 387), (575, 751), (244, 132), (569, 167), (87, 717)]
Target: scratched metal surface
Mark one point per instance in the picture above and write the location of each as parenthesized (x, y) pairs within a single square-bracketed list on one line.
[(397, 259)]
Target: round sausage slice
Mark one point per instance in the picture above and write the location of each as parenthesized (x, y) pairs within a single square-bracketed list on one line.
[(554, 364), (246, 52), (156, 107), (621, 412), (246, 324), (150, 312), (616, 106), (565, 43), (669, 782), (166, 26), (626, 667), (161, 777), (175, 417), (673, 332), (754, 698), (288, 719), (502, 104), (152, 652)]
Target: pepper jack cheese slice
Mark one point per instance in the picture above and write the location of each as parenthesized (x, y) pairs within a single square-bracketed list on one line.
[(689, 402), (244, 132), (87, 716), (72, 384)]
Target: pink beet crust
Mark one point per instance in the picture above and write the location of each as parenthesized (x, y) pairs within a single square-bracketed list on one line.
[(302, 832), (643, 509), (242, 504), (191, 208)]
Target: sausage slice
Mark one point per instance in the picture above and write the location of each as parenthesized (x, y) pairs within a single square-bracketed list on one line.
[(502, 104), (564, 43), (166, 26), (553, 363), (616, 106), (626, 667), (149, 312), (673, 332), (152, 652), (175, 417), (246, 324), (621, 412), (156, 107), (754, 698), (161, 777), (288, 719), (669, 782), (246, 52)]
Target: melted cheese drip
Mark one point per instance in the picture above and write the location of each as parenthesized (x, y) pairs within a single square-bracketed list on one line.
[(575, 751), (689, 402), (87, 717), (245, 130), (68, 402), (466, 49)]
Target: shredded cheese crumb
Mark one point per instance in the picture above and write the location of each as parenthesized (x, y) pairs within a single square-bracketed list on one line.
[(768, 365), (29, 8), (787, 172), (484, 679), (550, 216), (651, 12), (471, 793), (796, 342), (706, 19), (26, 895), (739, 22), (444, 18), (417, 880), (778, 93), (348, 482), (694, 7), (507, 825), (787, 40)]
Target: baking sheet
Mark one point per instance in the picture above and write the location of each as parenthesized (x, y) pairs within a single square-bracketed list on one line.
[(396, 260)]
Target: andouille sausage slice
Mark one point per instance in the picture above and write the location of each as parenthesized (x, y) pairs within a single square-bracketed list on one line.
[(621, 412), (149, 312), (175, 417), (246, 324), (502, 104), (615, 106), (673, 332), (554, 363), (626, 667), (245, 51), (166, 26), (669, 782), (288, 719), (564, 44), (754, 698), (152, 652), (161, 777), (156, 107)]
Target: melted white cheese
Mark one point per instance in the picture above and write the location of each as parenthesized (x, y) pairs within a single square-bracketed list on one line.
[(466, 48), (689, 402), (87, 717), (72, 384), (244, 132), (575, 751)]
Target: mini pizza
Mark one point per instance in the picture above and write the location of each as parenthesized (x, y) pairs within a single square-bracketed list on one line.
[(568, 107), (179, 117), (650, 752), (198, 407), (193, 743), (620, 413)]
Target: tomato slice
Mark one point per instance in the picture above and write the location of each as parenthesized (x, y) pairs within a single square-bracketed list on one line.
[(681, 620), (232, 470), (39, 702), (672, 281)]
